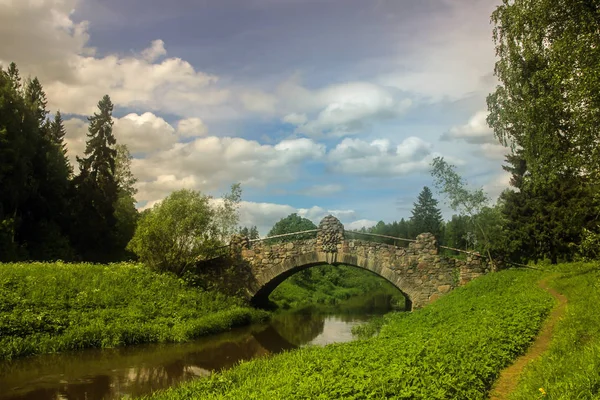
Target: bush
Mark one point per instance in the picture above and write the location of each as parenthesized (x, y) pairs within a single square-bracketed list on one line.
[(182, 228)]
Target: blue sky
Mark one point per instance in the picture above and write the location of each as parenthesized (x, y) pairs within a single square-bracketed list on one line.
[(315, 106)]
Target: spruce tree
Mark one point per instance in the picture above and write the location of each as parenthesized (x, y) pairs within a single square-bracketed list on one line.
[(97, 188), (426, 217)]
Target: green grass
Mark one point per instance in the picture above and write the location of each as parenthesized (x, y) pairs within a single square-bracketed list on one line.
[(329, 285), (452, 349), (570, 369), (51, 307)]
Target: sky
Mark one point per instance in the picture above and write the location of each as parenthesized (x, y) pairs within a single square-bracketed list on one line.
[(315, 106)]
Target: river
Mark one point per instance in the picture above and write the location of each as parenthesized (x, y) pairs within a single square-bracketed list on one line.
[(99, 374)]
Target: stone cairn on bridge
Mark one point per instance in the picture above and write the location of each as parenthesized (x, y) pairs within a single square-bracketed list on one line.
[(330, 237)]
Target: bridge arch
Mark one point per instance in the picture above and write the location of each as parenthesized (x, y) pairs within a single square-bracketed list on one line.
[(418, 271), (293, 265)]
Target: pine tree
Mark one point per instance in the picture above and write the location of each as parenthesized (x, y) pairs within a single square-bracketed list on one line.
[(426, 217), (36, 98), (57, 132), (14, 77), (97, 188)]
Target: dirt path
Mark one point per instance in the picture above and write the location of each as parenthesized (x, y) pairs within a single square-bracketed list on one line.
[(509, 377)]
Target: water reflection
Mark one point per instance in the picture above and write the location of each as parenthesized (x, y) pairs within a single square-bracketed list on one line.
[(134, 371)]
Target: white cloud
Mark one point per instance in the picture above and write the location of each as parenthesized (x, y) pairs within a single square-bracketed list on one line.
[(475, 131), (356, 225), (381, 157), (191, 127), (497, 185), (75, 138), (351, 106), (494, 151), (295, 119), (144, 133), (214, 161), (336, 110), (45, 42), (156, 50)]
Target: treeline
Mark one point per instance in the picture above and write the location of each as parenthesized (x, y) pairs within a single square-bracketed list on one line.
[(48, 209)]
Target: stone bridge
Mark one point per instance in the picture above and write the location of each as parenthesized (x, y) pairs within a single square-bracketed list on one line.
[(418, 270)]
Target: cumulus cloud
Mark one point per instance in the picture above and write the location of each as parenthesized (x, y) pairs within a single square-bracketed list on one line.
[(494, 151), (156, 50), (143, 134), (191, 127), (214, 161), (47, 43), (475, 131), (361, 223), (497, 185), (350, 107), (336, 110), (381, 157)]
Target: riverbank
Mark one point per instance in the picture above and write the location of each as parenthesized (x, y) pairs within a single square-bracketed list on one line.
[(53, 307), (454, 348)]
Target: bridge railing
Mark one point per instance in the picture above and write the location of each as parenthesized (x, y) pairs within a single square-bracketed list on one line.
[(393, 239), (283, 235)]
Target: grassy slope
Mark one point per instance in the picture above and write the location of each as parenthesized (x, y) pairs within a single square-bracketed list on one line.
[(49, 307), (453, 349), (571, 367), (330, 285)]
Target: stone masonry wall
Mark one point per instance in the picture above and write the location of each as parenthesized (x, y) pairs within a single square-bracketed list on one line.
[(418, 271)]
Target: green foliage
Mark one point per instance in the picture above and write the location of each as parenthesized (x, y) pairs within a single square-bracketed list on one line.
[(452, 349), (426, 216), (569, 369), (331, 285), (34, 175), (250, 233), (290, 224), (96, 188), (55, 307), (547, 101), (590, 245), (472, 203), (184, 227), (545, 220), (176, 232)]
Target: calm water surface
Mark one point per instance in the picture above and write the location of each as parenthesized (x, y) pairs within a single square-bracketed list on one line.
[(134, 371)]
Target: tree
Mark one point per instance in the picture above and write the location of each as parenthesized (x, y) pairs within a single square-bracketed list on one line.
[(126, 214), (178, 231), (547, 101), (457, 232), (426, 217), (33, 178), (290, 224), (125, 179), (469, 202), (250, 233), (546, 222), (226, 212), (57, 133), (97, 188)]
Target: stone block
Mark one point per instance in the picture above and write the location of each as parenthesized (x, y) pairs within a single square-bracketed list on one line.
[(444, 288)]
